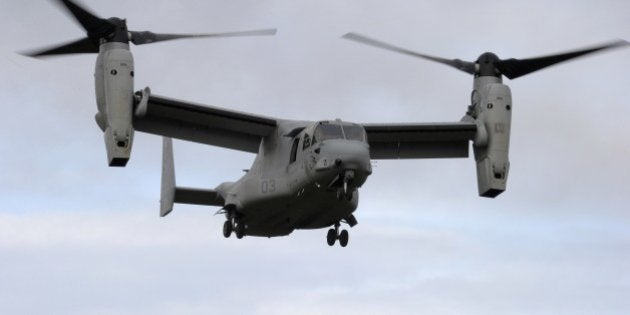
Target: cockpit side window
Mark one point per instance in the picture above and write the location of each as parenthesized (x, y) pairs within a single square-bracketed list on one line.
[(307, 142), (294, 150)]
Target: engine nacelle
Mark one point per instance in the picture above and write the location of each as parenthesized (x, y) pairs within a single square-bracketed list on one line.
[(113, 79), (493, 106)]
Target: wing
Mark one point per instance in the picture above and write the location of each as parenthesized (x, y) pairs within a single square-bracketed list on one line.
[(419, 140), (199, 123)]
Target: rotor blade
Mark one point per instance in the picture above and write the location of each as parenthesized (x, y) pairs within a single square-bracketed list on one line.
[(83, 45), (90, 22), (147, 37), (468, 67), (514, 68)]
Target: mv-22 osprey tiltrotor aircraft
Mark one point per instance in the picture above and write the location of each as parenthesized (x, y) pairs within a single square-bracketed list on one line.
[(306, 174)]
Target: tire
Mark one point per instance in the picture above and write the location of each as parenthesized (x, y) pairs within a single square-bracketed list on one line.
[(240, 230), (227, 229), (343, 238), (331, 237)]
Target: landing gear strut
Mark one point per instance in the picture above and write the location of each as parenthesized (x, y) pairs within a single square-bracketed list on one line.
[(334, 235), (345, 192)]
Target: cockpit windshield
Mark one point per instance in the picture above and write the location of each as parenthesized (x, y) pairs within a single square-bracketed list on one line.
[(326, 130), (354, 132)]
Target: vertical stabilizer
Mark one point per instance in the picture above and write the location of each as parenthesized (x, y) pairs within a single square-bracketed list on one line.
[(167, 197)]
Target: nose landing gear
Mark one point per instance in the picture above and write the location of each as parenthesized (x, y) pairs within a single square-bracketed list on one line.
[(334, 235)]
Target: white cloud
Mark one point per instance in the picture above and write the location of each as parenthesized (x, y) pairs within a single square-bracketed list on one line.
[(122, 263)]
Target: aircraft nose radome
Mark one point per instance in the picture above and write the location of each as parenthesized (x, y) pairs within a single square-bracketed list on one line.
[(346, 155)]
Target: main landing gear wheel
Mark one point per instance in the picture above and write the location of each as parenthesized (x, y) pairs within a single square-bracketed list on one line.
[(227, 229), (343, 238), (331, 237), (239, 230), (334, 235)]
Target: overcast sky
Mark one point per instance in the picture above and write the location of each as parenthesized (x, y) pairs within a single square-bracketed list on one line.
[(77, 237)]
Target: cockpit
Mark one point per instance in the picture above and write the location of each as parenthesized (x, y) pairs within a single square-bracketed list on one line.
[(322, 131), (338, 130)]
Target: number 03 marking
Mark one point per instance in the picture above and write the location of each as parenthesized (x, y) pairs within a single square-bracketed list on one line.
[(268, 186)]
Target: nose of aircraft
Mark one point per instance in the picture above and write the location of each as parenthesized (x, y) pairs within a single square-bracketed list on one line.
[(345, 155)]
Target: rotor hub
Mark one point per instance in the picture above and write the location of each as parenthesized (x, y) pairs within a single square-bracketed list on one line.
[(119, 32), (486, 65)]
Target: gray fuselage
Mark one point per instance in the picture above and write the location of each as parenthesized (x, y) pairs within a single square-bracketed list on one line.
[(297, 179)]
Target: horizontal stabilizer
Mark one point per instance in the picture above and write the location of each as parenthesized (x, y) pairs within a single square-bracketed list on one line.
[(195, 196)]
